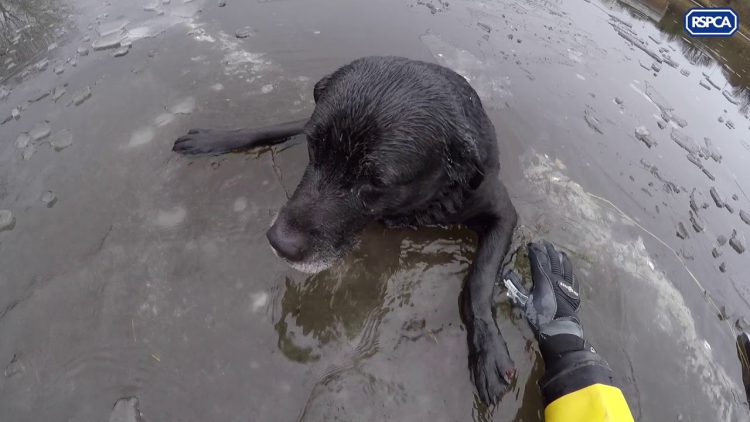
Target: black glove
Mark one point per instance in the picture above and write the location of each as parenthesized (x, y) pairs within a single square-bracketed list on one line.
[(554, 299)]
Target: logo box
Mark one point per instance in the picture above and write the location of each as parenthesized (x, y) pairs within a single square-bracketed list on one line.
[(711, 22)]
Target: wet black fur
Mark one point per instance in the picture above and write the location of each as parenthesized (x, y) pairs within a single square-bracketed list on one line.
[(406, 143)]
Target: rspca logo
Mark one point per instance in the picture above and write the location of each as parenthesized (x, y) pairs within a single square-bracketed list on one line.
[(711, 22)]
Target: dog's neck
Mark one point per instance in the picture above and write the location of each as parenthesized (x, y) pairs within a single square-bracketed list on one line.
[(437, 212)]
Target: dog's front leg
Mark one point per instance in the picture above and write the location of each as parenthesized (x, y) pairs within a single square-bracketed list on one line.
[(218, 141), (489, 362)]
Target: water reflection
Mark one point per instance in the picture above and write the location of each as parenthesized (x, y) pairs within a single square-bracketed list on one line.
[(27, 28), (341, 302), (733, 54)]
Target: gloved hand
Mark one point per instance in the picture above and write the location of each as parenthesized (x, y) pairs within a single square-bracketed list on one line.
[(551, 306)]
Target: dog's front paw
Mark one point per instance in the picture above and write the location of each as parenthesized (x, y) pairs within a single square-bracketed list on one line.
[(197, 141), (491, 368)]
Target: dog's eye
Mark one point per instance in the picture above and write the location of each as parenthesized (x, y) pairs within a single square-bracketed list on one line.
[(369, 195)]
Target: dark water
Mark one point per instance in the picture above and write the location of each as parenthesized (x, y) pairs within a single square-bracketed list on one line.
[(129, 272)]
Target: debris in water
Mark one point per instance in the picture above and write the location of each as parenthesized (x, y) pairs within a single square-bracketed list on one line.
[(267, 88), (152, 7), (695, 160), (49, 199), (629, 35), (243, 32), (58, 93), (643, 135), (39, 95), (63, 139), (682, 232), (723, 267), (110, 41), (7, 220), (164, 119), (126, 410), (730, 97), (685, 72), (717, 198), (696, 221), (684, 141), (23, 140), (591, 120), (668, 60), (681, 122), (15, 367), (669, 186), (484, 27), (28, 152), (737, 243), (42, 65), (82, 95), (745, 217), (40, 131), (121, 51), (694, 203), (141, 136), (712, 151), (708, 78), (184, 106), (109, 28), (687, 254)]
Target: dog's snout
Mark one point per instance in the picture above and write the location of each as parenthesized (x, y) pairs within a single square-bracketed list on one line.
[(288, 243)]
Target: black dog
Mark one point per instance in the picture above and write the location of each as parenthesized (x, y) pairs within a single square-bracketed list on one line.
[(406, 143)]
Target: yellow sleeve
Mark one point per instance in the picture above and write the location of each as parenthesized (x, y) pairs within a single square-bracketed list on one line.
[(595, 403)]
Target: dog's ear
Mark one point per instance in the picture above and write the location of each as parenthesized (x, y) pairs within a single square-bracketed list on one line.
[(465, 163), (321, 86)]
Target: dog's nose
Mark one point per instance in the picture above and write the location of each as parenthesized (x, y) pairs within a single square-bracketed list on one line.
[(288, 243)]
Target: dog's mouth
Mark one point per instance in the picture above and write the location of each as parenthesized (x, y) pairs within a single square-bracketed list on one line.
[(318, 253), (312, 267), (319, 260)]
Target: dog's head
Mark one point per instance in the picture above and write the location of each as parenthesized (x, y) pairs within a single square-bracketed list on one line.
[(367, 169)]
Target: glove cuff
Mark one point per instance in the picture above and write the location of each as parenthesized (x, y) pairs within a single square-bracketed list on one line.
[(572, 371)]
